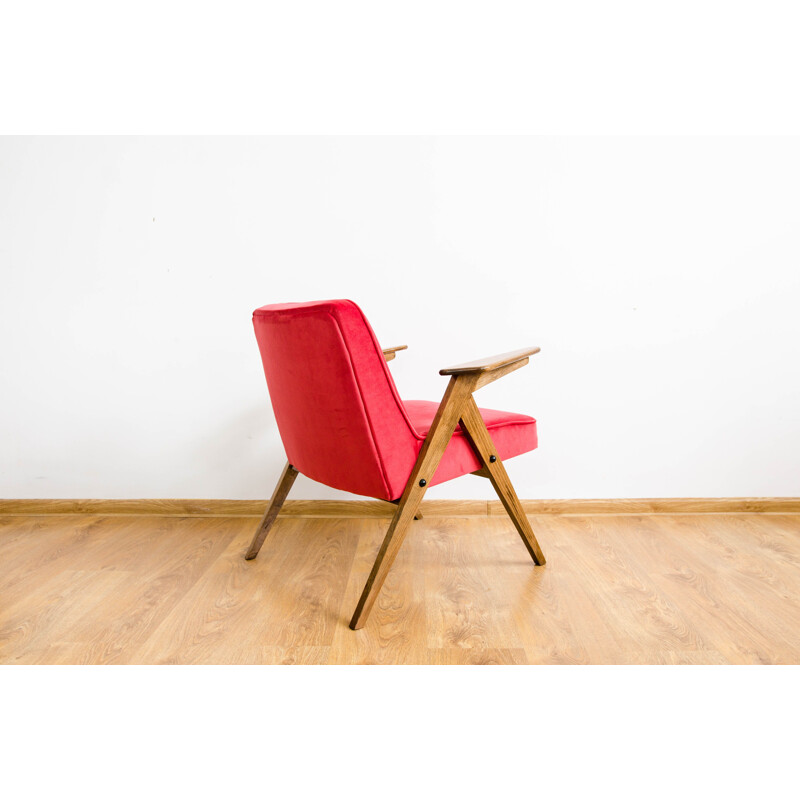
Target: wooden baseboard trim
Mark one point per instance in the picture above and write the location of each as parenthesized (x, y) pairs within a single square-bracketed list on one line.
[(659, 505), (377, 508)]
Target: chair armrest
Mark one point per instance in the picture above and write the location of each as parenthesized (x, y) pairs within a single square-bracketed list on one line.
[(491, 362), (485, 370), (390, 352)]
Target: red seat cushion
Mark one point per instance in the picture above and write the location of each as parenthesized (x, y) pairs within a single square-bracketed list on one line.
[(511, 433)]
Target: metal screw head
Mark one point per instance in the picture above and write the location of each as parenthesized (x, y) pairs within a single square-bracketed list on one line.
[(492, 459), (423, 482)]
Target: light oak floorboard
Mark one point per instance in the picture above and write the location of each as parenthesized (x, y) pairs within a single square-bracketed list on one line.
[(476, 656), (738, 587), (474, 572), (397, 624), (628, 589)]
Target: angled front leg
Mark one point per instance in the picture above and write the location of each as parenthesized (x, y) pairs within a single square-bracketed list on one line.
[(273, 508), (475, 428), (444, 424)]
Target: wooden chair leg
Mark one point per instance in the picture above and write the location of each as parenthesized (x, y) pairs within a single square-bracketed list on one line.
[(442, 428), (418, 515), (398, 528), (278, 496), (475, 428)]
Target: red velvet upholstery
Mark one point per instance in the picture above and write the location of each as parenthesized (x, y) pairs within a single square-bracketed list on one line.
[(340, 418), (512, 434)]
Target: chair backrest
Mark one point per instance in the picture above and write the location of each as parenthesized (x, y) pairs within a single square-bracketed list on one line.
[(340, 418)]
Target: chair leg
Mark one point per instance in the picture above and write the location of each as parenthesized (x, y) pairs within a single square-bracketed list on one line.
[(442, 428), (418, 515), (278, 496), (398, 528), (475, 428)]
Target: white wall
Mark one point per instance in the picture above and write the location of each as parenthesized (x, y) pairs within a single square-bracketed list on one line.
[(661, 277)]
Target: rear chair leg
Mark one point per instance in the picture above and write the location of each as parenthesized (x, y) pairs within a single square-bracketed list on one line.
[(278, 496)]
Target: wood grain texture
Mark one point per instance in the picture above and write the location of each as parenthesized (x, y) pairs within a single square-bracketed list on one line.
[(466, 565), (628, 589), (380, 508), (660, 505), (460, 655), (490, 363), (399, 616), (489, 376)]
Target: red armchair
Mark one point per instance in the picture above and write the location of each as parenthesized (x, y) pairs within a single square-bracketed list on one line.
[(342, 423)]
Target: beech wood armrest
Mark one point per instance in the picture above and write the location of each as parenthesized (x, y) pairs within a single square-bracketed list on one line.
[(485, 370), (490, 362), (390, 352)]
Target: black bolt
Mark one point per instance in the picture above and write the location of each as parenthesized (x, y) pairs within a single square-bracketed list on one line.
[(492, 459), (423, 482)]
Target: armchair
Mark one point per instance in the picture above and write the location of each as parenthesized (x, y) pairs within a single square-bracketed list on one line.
[(343, 423)]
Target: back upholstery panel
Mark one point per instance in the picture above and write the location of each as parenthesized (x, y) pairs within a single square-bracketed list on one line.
[(340, 418)]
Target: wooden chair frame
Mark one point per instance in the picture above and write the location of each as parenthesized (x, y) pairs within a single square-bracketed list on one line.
[(457, 405)]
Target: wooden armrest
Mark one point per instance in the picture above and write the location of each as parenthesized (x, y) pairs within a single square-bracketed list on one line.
[(390, 352), (485, 370), (491, 362)]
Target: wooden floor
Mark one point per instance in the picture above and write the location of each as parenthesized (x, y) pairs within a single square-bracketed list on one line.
[(690, 589)]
